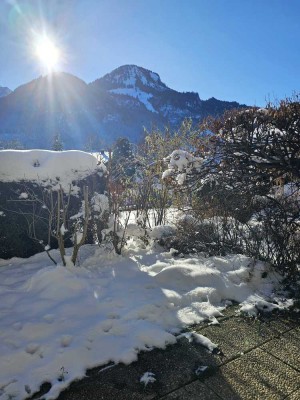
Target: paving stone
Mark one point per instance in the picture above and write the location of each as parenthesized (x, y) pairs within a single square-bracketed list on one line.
[(230, 311), (284, 322), (278, 326), (98, 391), (173, 367), (294, 396), (287, 348), (296, 331), (221, 387), (290, 317), (238, 335), (280, 321), (256, 375), (193, 391)]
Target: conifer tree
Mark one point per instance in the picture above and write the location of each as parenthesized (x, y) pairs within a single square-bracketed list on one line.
[(57, 144), (122, 159)]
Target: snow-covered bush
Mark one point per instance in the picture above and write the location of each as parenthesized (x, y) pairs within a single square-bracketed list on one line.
[(180, 164), (254, 151), (99, 205), (152, 195), (212, 236)]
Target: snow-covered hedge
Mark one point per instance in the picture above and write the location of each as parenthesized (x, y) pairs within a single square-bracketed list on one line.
[(45, 167), (26, 180)]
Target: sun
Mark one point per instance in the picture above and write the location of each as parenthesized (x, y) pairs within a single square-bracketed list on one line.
[(47, 53)]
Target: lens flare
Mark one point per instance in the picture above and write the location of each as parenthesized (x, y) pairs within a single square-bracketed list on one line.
[(47, 53)]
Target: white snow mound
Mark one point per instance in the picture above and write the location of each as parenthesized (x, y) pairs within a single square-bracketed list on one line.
[(45, 166), (58, 321)]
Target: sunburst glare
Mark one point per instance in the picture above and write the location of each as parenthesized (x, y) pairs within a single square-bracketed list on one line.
[(47, 53)]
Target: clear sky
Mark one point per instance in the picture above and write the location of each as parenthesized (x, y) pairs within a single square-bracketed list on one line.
[(243, 50)]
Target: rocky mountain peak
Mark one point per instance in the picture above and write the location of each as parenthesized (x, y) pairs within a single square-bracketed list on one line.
[(131, 76)]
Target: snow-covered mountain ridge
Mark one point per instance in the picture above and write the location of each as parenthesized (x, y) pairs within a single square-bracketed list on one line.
[(121, 103), (147, 87), (131, 76)]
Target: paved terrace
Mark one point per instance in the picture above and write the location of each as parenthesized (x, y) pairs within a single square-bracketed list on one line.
[(257, 359)]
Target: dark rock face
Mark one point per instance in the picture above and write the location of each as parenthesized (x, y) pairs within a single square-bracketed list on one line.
[(122, 103)]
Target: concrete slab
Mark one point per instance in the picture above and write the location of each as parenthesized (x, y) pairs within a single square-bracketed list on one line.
[(219, 385), (230, 311), (96, 391), (193, 391), (173, 367), (286, 348), (239, 334), (296, 332), (294, 396), (280, 321), (236, 335), (256, 375), (284, 321), (290, 317)]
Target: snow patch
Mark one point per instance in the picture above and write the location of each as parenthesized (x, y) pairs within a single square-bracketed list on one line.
[(147, 378), (200, 339), (201, 369), (143, 97)]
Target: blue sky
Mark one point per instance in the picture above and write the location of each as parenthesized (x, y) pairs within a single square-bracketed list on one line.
[(247, 51)]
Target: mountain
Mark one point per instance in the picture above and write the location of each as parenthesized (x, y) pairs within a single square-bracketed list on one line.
[(4, 91), (144, 89), (49, 105), (120, 103)]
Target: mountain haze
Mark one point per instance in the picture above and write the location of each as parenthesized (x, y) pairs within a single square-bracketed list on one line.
[(121, 103), (4, 91)]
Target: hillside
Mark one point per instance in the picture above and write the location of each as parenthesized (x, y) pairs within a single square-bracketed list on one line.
[(122, 103)]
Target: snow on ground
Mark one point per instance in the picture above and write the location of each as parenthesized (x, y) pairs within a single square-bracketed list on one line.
[(58, 321), (148, 377), (45, 166)]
